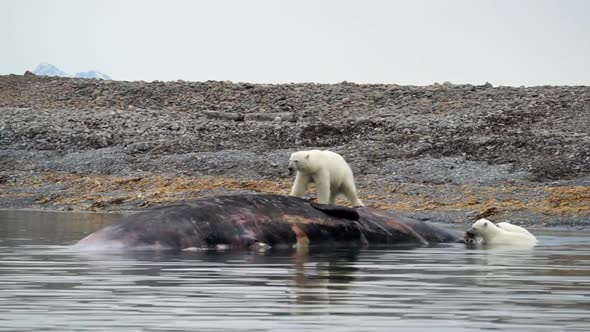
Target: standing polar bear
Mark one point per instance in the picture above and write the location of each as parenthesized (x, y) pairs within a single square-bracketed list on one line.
[(330, 173)]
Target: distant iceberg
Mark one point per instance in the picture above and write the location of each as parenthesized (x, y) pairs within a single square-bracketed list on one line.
[(93, 74), (47, 69)]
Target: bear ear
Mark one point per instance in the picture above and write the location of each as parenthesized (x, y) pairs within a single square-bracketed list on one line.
[(307, 156)]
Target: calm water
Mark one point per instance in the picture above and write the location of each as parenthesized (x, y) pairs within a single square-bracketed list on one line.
[(45, 286)]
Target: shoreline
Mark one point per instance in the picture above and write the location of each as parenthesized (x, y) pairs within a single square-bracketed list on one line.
[(532, 206)]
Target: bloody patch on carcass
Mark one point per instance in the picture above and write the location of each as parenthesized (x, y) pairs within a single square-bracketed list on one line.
[(302, 239)]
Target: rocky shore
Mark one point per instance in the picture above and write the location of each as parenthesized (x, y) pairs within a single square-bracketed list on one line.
[(448, 153)]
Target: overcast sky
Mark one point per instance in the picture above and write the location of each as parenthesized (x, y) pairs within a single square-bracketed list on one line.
[(504, 42)]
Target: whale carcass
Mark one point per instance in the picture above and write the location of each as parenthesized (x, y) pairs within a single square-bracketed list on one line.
[(247, 221)]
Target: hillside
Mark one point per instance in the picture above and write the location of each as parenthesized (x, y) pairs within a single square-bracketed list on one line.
[(443, 152)]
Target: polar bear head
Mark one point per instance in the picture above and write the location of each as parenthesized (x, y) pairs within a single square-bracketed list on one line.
[(301, 162), (483, 228), (307, 162)]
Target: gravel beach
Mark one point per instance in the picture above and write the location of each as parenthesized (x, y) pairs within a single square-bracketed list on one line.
[(446, 153)]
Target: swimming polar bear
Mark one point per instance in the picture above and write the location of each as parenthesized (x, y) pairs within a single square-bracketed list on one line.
[(491, 234), (330, 173)]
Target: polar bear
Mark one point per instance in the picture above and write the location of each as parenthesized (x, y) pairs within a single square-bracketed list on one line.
[(328, 170), (492, 234)]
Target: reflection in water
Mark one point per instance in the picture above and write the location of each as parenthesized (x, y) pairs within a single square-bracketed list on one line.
[(44, 285), (41, 227), (317, 282)]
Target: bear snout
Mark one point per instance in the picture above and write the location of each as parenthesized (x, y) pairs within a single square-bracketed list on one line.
[(291, 170)]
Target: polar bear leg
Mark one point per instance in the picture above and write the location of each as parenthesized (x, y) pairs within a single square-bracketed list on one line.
[(300, 185), (349, 190), (333, 196), (322, 183)]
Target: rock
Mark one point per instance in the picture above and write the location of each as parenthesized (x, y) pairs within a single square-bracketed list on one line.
[(224, 115), (29, 73), (490, 211), (282, 116)]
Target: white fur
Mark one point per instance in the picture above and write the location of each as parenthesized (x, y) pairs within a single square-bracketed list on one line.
[(330, 173), (492, 234), (513, 228)]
